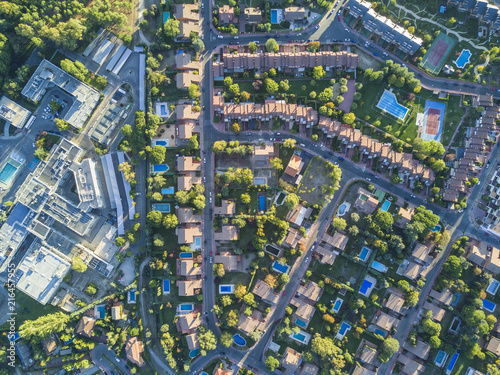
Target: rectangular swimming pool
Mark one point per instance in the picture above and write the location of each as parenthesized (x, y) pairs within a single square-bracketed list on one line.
[(260, 181), (379, 267), (365, 286), (337, 305), (301, 323), (160, 168), (169, 190), (389, 103), (262, 203), (226, 289), (364, 254), (452, 363), (493, 287), (440, 358), (186, 307), (274, 16), (385, 206), (488, 305), (280, 267), (186, 255), (166, 286), (7, 173), (380, 332), (197, 241), (166, 16), (162, 207), (299, 336)]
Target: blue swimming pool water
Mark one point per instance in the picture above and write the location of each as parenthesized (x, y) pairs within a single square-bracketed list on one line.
[(488, 305), (437, 228), (463, 59), (262, 202), (186, 307), (102, 311), (385, 206), (493, 287), (336, 306), (193, 353), (280, 267), (162, 207), (161, 143), (300, 323), (380, 332), (364, 253), (439, 358), (197, 241), (452, 362), (186, 255), (166, 286), (342, 208), (274, 16), (131, 296), (225, 289), (160, 168), (7, 173), (379, 266), (389, 103), (299, 336), (238, 340), (343, 328), (166, 16), (169, 190), (259, 181), (365, 286)]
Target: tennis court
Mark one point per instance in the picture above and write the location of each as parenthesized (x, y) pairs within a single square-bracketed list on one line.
[(436, 56), (434, 118), (389, 103)]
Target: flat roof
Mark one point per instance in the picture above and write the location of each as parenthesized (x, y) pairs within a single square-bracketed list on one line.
[(13, 113)]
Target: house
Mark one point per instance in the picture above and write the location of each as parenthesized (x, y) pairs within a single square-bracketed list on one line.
[(310, 291), (298, 214), (186, 215), (85, 326), (222, 371), (186, 112), (366, 201), (445, 297), (471, 371), (187, 28), (326, 256), (187, 287), (385, 321), (262, 155), (12, 113), (421, 350), (338, 241), (422, 254), (184, 61), (231, 262), (295, 14), (187, 268), (404, 216), (294, 166), (186, 182), (437, 312), (358, 370), (304, 311), (186, 12), (247, 324), (134, 349), (394, 301), (253, 15), (226, 233), (293, 238), (192, 341), (186, 129), (49, 345), (485, 256), (291, 361), (226, 15), (309, 369), (188, 164), (265, 292), (188, 234), (117, 311), (188, 323), (227, 208), (184, 79), (493, 346), (409, 366), (369, 355)]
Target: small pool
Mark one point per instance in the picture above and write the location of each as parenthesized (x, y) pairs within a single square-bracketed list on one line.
[(437, 228), (280, 198), (262, 202), (493, 287), (131, 296), (344, 327), (162, 207), (166, 287), (379, 267), (452, 363), (364, 254), (455, 325), (166, 16), (197, 241), (161, 143), (169, 190), (337, 305), (160, 168), (7, 173), (193, 353), (343, 208), (440, 358), (272, 250), (365, 287), (280, 267), (274, 16), (299, 336), (186, 307), (101, 310), (238, 340), (380, 332), (488, 305), (385, 206), (260, 181), (455, 299), (186, 255), (226, 289), (301, 323), (463, 59)]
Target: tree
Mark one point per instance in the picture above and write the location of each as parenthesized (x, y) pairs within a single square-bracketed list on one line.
[(157, 197), (387, 349), (438, 165), (219, 147), (240, 290), (318, 72), (172, 28), (120, 241), (252, 46), (284, 279), (430, 327), (126, 131), (41, 328), (219, 270), (170, 221), (154, 219), (384, 220), (245, 198), (77, 265), (284, 85), (226, 339), (249, 299), (339, 223), (411, 298), (226, 300), (326, 95), (435, 342), (198, 45), (61, 124), (235, 128), (326, 349), (289, 143), (272, 45), (194, 91), (451, 22), (207, 340), (277, 164), (232, 318), (353, 231), (234, 89), (157, 154), (272, 86), (272, 363), (404, 286), (228, 81), (291, 201), (453, 267), (349, 118)]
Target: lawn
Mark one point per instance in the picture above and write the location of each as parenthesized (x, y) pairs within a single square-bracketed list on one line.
[(316, 180), (343, 269), (299, 87), (454, 114)]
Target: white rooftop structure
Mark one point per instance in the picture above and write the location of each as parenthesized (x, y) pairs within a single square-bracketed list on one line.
[(13, 113)]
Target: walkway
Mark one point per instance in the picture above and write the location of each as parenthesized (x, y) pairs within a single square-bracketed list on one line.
[(456, 129), (484, 65)]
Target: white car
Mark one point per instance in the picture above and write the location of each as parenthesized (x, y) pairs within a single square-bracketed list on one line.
[(204, 160), (210, 260), (220, 37)]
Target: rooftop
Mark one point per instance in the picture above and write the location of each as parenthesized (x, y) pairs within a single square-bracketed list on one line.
[(13, 113)]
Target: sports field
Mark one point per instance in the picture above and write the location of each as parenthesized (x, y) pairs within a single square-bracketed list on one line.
[(436, 56), (434, 118)]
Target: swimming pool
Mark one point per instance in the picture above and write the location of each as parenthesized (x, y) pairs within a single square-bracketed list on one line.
[(166, 287), (161, 143), (463, 59), (365, 286), (273, 250), (380, 332), (379, 267), (437, 228), (453, 360), (131, 296), (166, 16), (385, 206), (197, 241), (186, 307), (299, 336), (169, 190), (344, 327), (488, 305), (260, 181), (193, 353), (343, 208), (186, 255), (7, 173), (440, 358), (262, 202), (274, 16), (301, 323), (162, 207), (337, 305), (280, 267), (455, 299), (455, 325), (493, 287), (364, 254), (160, 168), (238, 340), (389, 103), (226, 289)]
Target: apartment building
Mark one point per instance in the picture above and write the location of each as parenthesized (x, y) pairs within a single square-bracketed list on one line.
[(487, 14)]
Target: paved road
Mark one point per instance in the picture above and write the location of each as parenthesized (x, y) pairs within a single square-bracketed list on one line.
[(107, 360)]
